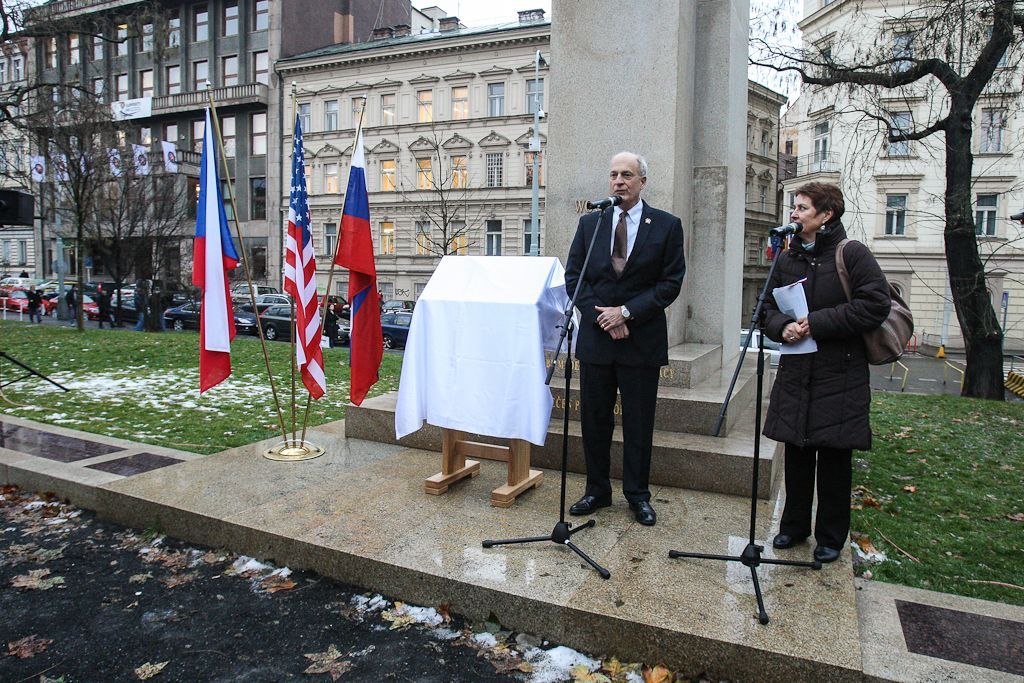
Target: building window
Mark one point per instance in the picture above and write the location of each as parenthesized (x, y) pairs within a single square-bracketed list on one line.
[(460, 102), (97, 48), (387, 175), (225, 193), (460, 177), (121, 87), (495, 99), (200, 24), (425, 106), (992, 123), (74, 42), (261, 17), (173, 80), (528, 158), (423, 238), (985, 215), (173, 28), (17, 68), (357, 109), (122, 40), (534, 95), (51, 53), (895, 214), (200, 74), (230, 70), (493, 238), (331, 115), (258, 128), (763, 199), (230, 18), (146, 83), (459, 241), (900, 122), (766, 143), (227, 129), (261, 67), (331, 179), (22, 252), (257, 199), (821, 142), (495, 169), (387, 290), (3, 70), (98, 87), (528, 235), (424, 174), (197, 135), (147, 38), (387, 237), (788, 147), (387, 110), (330, 238), (305, 115), (902, 51), (171, 133)]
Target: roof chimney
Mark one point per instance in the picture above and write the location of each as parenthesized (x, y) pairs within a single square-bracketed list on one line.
[(528, 16), (449, 23), (382, 33), (402, 30)]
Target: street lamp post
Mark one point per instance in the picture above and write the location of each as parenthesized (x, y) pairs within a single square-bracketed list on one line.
[(538, 114)]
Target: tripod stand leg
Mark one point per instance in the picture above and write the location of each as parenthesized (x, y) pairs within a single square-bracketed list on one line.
[(605, 574), (581, 527), (762, 616), (510, 541)]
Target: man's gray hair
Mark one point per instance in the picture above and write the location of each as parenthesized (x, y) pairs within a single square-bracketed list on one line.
[(640, 161)]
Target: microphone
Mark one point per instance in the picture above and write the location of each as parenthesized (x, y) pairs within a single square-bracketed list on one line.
[(614, 200), (793, 228)]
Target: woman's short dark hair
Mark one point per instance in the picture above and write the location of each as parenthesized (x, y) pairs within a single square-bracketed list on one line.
[(824, 196)]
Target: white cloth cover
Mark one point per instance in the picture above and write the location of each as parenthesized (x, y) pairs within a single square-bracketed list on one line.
[(474, 360)]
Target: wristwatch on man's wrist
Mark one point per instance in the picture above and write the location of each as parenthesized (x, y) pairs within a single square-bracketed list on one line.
[(624, 312)]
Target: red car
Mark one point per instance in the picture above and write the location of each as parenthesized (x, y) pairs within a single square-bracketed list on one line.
[(17, 300)]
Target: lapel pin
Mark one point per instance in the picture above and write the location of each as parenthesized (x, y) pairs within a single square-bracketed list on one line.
[(647, 221)]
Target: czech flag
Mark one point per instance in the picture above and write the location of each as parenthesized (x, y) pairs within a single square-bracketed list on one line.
[(214, 255), (355, 252)]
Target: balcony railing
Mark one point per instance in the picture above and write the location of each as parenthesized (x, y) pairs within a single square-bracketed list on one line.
[(819, 162), (67, 7), (249, 93)]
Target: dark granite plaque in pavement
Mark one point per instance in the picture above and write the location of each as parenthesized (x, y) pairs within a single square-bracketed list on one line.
[(963, 637), (49, 445), (135, 464)]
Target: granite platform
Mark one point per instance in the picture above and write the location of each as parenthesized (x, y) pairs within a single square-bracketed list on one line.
[(359, 514)]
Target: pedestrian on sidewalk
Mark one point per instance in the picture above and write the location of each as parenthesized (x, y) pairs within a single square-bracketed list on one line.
[(71, 299), (35, 305), (104, 306), (141, 300), (821, 400)]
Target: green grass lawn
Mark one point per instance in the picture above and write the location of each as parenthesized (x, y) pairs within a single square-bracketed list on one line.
[(145, 386), (944, 483)]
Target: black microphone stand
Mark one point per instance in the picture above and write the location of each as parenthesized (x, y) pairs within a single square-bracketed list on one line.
[(751, 555), (563, 530)]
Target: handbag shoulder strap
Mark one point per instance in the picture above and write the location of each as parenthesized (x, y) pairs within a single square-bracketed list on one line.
[(844, 275)]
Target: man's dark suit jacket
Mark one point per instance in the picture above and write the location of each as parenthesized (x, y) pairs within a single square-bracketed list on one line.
[(649, 283)]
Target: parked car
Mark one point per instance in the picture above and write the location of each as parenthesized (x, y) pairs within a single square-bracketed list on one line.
[(263, 302), (240, 292), (19, 282), (186, 317), (14, 300), (398, 305), (772, 348), (395, 328), (276, 322)]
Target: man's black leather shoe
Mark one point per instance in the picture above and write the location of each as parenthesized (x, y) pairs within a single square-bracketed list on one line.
[(644, 513), (783, 541), (824, 554), (588, 505)]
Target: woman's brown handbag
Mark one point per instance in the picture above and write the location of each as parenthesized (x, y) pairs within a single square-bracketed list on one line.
[(888, 342)]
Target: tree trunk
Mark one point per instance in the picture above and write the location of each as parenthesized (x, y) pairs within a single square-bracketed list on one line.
[(983, 338)]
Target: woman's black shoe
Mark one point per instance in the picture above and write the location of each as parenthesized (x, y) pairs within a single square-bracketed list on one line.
[(824, 554), (783, 541)]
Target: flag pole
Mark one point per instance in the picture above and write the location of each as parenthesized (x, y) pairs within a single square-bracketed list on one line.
[(294, 328), (245, 259), (330, 271)]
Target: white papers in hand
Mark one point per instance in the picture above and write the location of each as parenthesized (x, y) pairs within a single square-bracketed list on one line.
[(792, 301)]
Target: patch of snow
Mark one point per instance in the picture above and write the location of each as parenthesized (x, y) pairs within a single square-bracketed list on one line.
[(551, 666), (421, 615), (373, 603), (485, 639), (247, 564)]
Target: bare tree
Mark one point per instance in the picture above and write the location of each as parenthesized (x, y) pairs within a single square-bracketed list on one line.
[(947, 53)]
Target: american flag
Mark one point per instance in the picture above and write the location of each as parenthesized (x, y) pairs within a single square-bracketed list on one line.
[(300, 277)]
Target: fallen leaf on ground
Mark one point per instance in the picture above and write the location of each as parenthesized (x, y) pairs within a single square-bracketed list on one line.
[(140, 578), (658, 674), (175, 580), (443, 611), (327, 663), (1016, 517), (620, 672), (28, 646), (148, 670), (910, 488), (35, 580), (912, 450), (277, 582), (581, 673)]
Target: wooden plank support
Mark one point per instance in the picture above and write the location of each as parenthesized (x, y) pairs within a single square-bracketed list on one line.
[(455, 466)]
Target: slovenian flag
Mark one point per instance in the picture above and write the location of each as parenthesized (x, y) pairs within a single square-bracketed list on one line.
[(214, 255), (355, 252)]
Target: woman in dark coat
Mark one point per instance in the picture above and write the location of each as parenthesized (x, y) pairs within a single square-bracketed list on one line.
[(821, 401)]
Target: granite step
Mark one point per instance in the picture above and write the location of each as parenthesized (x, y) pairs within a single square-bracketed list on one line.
[(688, 364)]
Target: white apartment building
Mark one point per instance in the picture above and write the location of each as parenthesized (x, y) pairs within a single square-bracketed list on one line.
[(894, 191)]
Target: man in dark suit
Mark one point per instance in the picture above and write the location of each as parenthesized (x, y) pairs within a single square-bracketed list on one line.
[(634, 273)]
